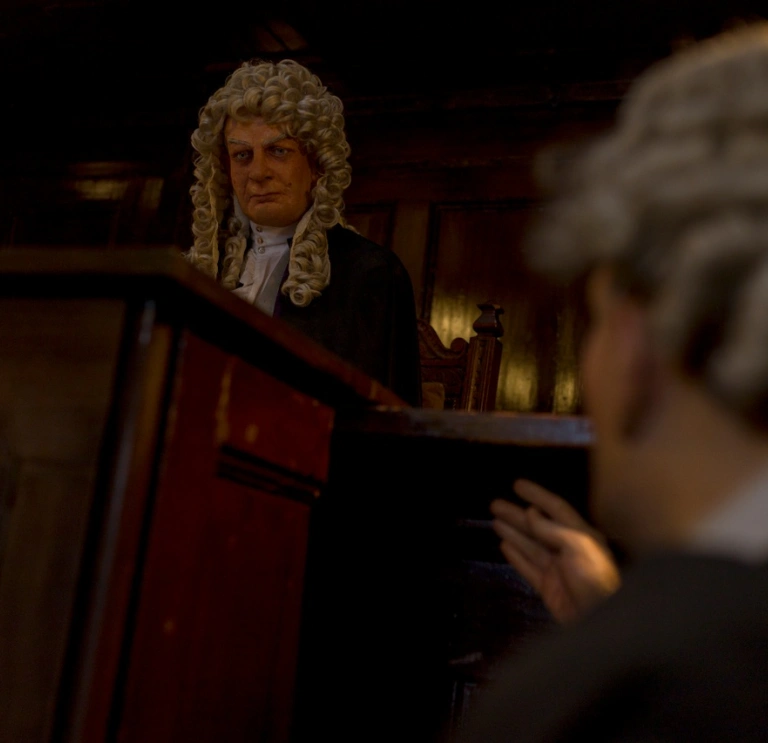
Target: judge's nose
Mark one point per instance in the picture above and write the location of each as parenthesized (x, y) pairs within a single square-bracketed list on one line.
[(259, 169)]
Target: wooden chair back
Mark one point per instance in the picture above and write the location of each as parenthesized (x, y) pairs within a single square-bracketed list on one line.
[(468, 371)]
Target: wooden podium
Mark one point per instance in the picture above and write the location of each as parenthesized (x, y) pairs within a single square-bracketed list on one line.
[(213, 530), (161, 444)]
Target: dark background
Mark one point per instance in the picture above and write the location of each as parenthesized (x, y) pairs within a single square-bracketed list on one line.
[(123, 79)]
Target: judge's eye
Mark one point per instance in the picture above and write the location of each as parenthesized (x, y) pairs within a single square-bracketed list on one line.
[(279, 151), (241, 156)]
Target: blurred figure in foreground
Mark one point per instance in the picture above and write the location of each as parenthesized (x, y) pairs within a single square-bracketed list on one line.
[(667, 219)]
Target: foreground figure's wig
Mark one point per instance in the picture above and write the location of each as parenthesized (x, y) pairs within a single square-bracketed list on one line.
[(675, 199), (289, 97)]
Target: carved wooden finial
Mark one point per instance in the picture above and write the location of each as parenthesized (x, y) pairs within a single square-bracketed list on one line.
[(488, 323)]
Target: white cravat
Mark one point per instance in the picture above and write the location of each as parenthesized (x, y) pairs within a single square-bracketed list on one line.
[(264, 265)]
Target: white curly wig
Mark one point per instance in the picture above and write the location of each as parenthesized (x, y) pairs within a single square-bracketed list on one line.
[(287, 96), (675, 199)]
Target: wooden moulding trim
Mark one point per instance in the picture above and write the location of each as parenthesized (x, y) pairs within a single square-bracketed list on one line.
[(496, 427), (237, 467)]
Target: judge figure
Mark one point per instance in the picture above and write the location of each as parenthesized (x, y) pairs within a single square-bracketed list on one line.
[(270, 173)]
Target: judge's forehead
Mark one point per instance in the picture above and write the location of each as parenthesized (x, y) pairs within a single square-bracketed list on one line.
[(252, 122), (254, 127)]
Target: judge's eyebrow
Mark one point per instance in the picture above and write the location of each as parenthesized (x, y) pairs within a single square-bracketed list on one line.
[(277, 138), (268, 143)]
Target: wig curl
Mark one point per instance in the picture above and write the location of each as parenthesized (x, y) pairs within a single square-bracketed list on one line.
[(675, 200), (289, 97)]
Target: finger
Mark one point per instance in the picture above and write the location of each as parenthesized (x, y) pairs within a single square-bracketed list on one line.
[(551, 504), (529, 548), (525, 568), (509, 512), (549, 533)]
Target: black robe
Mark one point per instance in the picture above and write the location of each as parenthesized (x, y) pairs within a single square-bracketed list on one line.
[(366, 315), (680, 653)]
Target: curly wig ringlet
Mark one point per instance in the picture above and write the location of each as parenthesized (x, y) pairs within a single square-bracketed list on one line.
[(675, 200), (287, 96)]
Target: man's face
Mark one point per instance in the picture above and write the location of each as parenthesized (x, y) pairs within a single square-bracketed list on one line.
[(611, 370), (271, 176)]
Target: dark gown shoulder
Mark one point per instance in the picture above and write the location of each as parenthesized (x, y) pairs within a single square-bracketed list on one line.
[(367, 313)]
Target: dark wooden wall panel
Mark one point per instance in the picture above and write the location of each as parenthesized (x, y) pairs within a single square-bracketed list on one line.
[(477, 256), (464, 253), (374, 221), (96, 203), (460, 183), (57, 368)]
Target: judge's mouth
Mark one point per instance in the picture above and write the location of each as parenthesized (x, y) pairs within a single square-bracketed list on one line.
[(264, 197)]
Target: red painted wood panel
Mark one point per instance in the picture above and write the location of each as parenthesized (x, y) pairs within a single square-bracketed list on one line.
[(214, 651), (260, 416)]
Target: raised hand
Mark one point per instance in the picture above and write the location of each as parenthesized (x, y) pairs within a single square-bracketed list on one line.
[(564, 558)]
